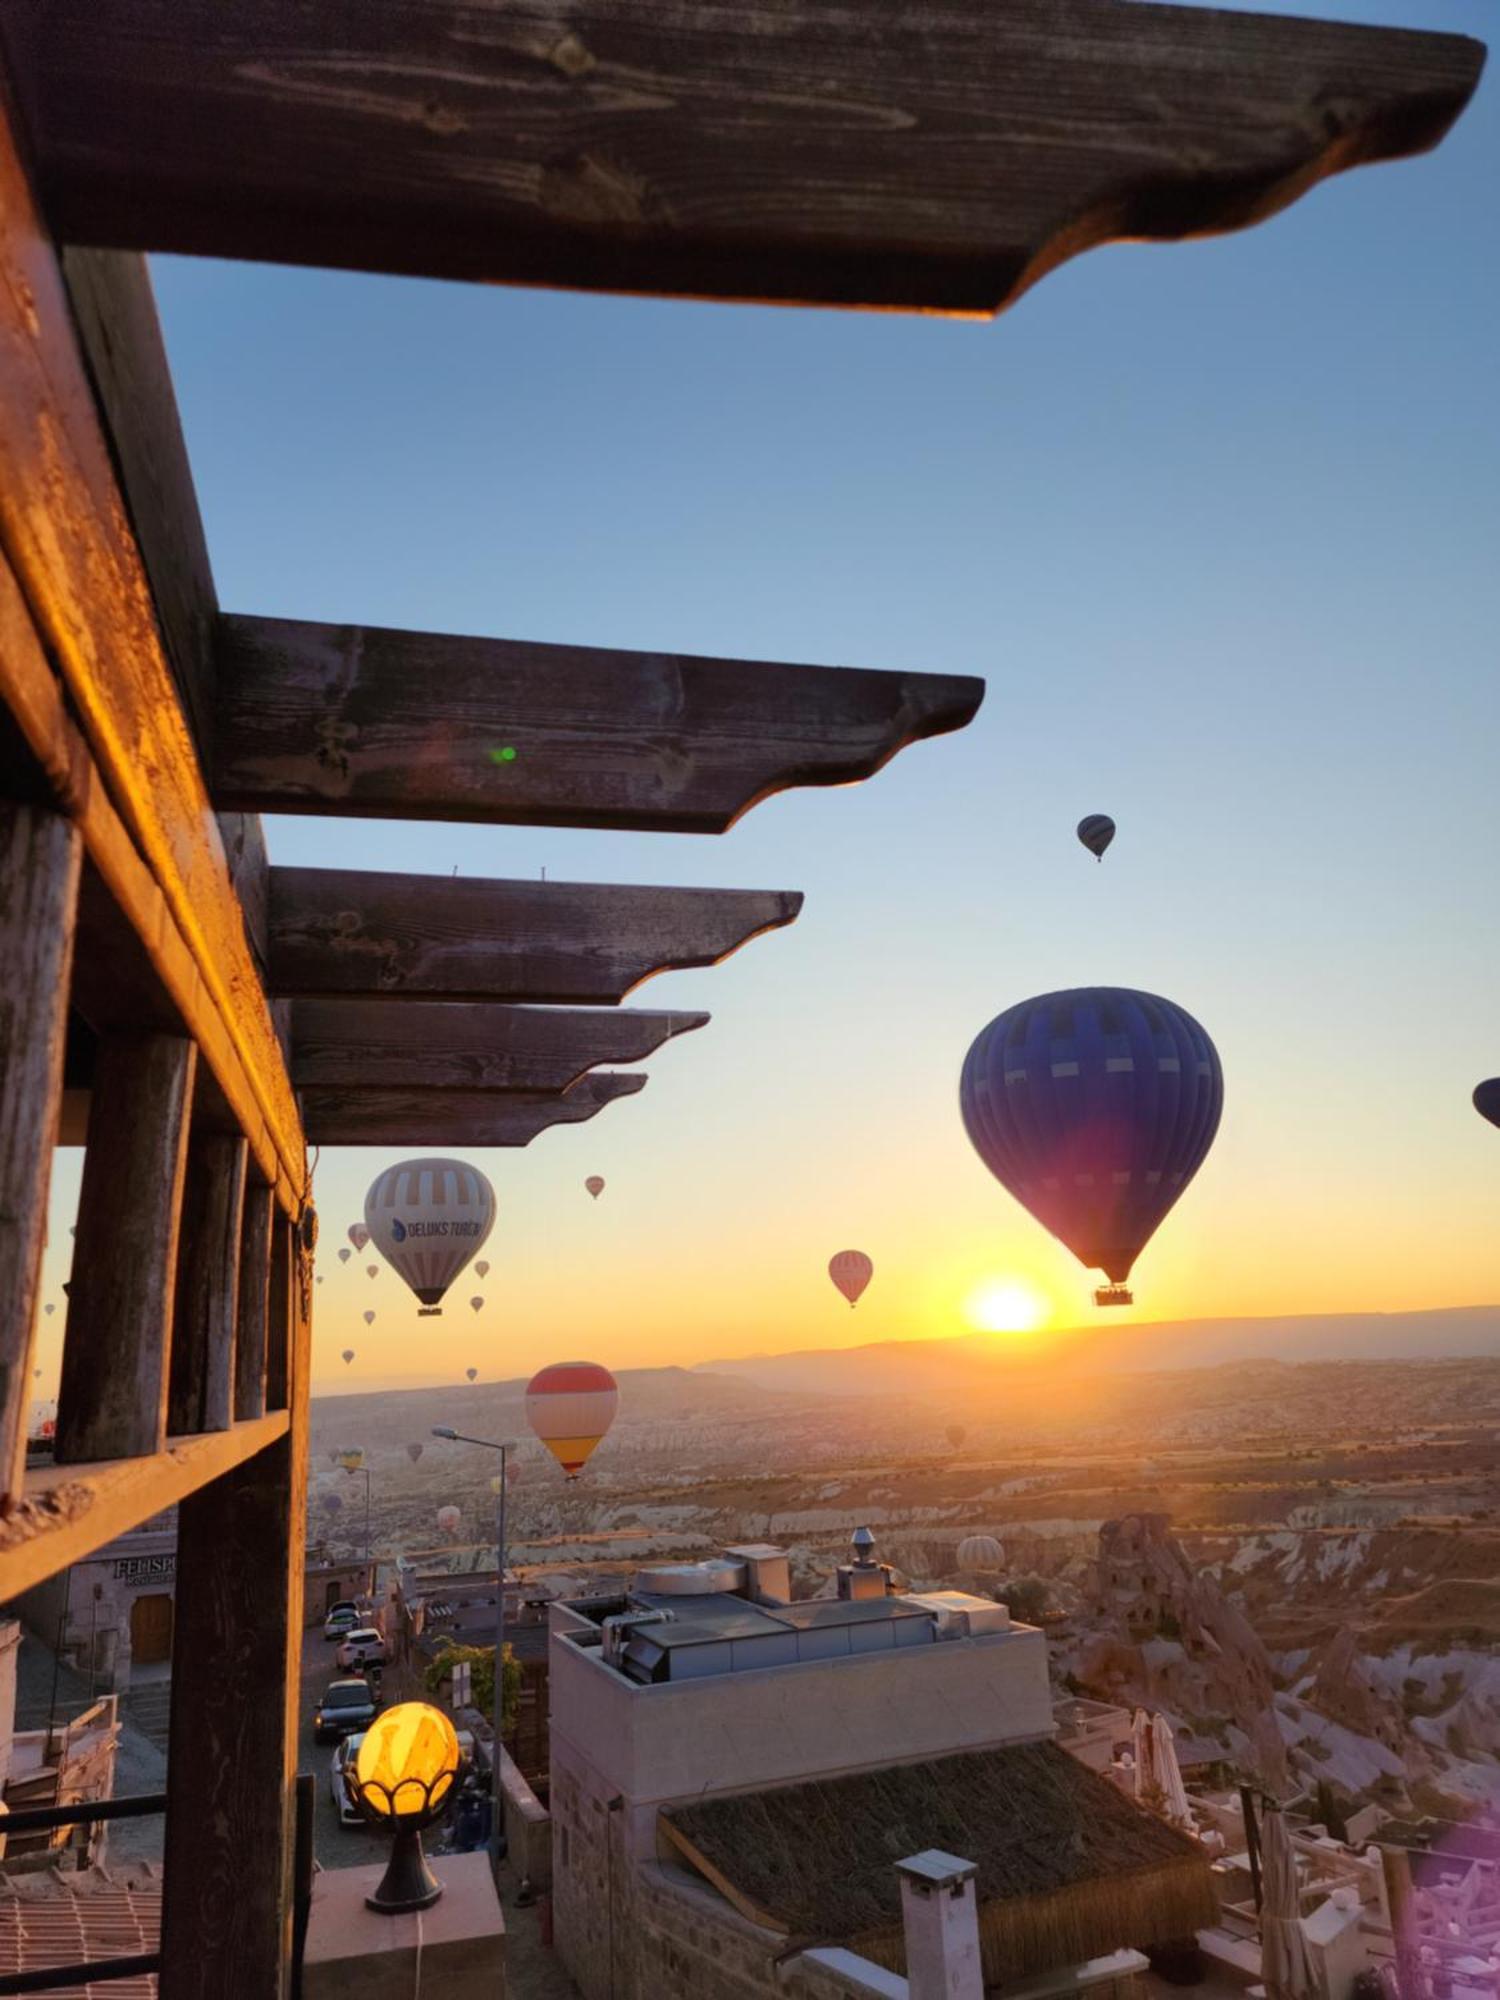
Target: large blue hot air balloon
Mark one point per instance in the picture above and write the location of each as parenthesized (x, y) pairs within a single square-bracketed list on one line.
[(1095, 1108), (1487, 1099)]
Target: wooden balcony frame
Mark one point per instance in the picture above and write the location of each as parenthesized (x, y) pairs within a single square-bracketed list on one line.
[(135, 896)]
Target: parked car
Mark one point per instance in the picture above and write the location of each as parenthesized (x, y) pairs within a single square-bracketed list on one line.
[(342, 1618), (347, 1705), (363, 1647), (339, 1771)]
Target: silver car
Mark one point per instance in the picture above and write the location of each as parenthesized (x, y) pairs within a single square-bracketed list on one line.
[(340, 1767)]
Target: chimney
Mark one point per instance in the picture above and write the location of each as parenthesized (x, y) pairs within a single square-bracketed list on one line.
[(940, 1916), (863, 1576)]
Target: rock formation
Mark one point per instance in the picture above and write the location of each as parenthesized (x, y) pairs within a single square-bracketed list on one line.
[(1168, 1638)]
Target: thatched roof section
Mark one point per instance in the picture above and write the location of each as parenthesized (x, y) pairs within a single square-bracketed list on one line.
[(1068, 1867)]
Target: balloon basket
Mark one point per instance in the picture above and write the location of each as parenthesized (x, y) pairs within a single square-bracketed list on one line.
[(429, 1312), (1114, 1295)]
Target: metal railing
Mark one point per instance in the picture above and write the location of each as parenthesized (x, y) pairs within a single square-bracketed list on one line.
[(83, 1812), (88, 1812)]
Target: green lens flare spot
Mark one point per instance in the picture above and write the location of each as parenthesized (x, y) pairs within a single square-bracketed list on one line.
[(507, 755)]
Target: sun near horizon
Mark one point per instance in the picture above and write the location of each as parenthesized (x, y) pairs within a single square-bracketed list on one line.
[(1007, 1305)]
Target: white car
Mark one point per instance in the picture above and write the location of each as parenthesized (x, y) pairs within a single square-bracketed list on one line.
[(339, 1768), (363, 1647)]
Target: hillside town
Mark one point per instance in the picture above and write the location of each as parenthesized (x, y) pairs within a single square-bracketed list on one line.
[(1303, 1653)]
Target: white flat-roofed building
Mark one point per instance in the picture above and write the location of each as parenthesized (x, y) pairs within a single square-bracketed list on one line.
[(703, 1681)]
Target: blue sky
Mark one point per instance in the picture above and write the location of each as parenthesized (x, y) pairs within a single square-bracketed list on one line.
[(1217, 523)]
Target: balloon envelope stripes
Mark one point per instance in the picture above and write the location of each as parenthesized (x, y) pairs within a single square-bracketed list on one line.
[(851, 1271), (1096, 831), (1095, 1108), (427, 1218), (570, 1406)]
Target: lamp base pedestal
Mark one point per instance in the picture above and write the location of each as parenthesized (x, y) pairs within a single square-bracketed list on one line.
[(408, 1882)]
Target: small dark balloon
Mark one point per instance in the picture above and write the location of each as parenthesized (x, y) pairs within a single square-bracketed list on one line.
[(1096, 831), (1487, 1099)]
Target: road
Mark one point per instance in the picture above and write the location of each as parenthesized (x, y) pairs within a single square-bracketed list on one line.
[(335, 1846)]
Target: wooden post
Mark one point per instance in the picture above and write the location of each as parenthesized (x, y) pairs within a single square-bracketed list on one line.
[(39, 863), (228, 1890), (1411, 1981), (279, 1314), (254, 1302), (208, 1282), (113, 1399)]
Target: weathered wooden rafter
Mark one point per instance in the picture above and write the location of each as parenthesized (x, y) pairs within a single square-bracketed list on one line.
[(942, 156), (127, 765), (351, 719), (456, 1045), (377, 1117), (565, 943)]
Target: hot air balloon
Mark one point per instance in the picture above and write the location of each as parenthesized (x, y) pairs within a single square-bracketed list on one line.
[(956, 1435), (352, 1459), (348, 1355), (497, 1485), (981, 1554), (1096, 831), (345, 1255), (472, 1373), (1486, 1103), (448, 1519), (476, 1302), (1095, 1108), (482, 1268), (571, 1406), (369, 1319), (595, 1185), (414, 1452), (372, 1270), (359, 1236), (851, 1271), (319, 1278), (427, 1218), (333, 1458), (49, 1310), (332, 1503)]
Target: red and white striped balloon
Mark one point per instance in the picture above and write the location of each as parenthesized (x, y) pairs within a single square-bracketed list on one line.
[(851, 1271), (571, 1406)]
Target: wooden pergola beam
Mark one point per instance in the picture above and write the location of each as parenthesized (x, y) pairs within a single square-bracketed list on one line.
[(74, 591), (941, 157), (351, 719), (377, 1117), (68, 1511), (338, 931), (456, 1045)]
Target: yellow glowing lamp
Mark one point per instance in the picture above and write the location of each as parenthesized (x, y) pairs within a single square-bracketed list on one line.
[(404, 1775)]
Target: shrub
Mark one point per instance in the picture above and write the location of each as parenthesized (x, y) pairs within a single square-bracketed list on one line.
[(481, 1662)]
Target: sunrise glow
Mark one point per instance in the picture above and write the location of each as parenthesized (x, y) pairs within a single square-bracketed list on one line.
[(1006, 1305)]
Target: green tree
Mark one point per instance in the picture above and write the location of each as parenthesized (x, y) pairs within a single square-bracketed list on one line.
[(481, 1662)]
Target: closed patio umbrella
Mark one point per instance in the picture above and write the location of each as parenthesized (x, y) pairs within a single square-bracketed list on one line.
[(1285, 1960), (1175, 1805)]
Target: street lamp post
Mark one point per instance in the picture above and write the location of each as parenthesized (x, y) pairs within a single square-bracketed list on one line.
[(451, 1436)]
